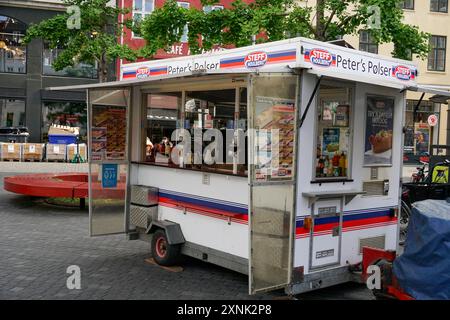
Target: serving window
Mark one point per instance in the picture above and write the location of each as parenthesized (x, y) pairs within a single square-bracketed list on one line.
[(333, 132), (163, 110), (198, 129)]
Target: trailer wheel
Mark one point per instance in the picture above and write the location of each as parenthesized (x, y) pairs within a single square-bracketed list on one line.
[(164, 253)]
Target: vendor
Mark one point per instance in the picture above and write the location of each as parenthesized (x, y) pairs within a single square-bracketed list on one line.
[(165, 147), (149, 147)]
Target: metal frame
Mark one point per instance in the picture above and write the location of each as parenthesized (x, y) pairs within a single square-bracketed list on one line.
[(322, 279), (125, 162), (292, 182), (312, 268), (402, 144)]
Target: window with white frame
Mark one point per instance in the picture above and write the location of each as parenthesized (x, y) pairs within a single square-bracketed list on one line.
[(407, 4), (367, 42), (141, 8), (437, 54), (184, 37), (210, 8), (439, 6)]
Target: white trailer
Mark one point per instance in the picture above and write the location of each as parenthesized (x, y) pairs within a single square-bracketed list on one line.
[(320, 177)]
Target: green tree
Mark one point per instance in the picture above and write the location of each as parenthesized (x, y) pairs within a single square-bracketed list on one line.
[(280, 19), (95, 42)]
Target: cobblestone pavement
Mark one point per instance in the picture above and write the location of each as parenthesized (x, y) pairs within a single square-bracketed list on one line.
[(38, 242)]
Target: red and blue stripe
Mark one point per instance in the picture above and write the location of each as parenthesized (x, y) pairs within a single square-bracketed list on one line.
[(238, 212), (272, 57), (221, 209), (351, 222), (156, 71)]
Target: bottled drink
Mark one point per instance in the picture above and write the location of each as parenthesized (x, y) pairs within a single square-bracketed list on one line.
[(330, 168), (346, 164), (342, 164), (325, 166), (318, 167)]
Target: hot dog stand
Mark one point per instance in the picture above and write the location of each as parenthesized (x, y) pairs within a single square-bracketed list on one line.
[(279, 160)]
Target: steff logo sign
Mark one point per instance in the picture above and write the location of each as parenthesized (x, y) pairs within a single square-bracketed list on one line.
[(255, 59), (403, 73), (143, 72), (320, 57)]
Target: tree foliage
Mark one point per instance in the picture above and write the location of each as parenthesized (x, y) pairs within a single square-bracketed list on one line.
[(96, 42), (275, 20)]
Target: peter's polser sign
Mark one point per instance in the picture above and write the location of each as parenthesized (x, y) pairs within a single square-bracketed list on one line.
[(247, 58), (354, 62), (294, 53)]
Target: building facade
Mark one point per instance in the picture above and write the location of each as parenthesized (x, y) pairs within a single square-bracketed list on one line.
[(138, 9), (25, 72)]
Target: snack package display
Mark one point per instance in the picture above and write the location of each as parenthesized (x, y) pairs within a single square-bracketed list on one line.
[(275, 120), (108, 133), (333, 131)]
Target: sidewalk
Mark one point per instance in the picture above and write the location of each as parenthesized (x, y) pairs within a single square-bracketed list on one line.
[(41, 167)]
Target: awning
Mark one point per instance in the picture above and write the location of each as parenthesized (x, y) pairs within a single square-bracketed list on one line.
[(116, 84), (440, 96), (144, 81)]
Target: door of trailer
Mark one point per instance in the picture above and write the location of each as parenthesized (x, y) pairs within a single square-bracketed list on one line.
[(273, 116), (108, 135)]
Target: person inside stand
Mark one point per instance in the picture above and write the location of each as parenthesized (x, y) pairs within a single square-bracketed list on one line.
[(149, 150), (164, 148)]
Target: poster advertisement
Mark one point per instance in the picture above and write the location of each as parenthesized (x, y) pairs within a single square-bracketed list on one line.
[(330, 144), (328, 110), (274, 119), (421, 138), (379, 128), (341, 118), (108, 133)]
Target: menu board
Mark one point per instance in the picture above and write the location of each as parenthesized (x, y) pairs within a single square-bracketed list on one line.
[(379, 128), (275, 133), (108, 133)]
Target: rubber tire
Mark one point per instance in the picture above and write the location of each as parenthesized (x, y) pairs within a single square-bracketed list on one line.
[(172, 254)]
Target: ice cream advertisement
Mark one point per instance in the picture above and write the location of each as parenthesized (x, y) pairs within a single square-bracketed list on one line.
[(379, 126)]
